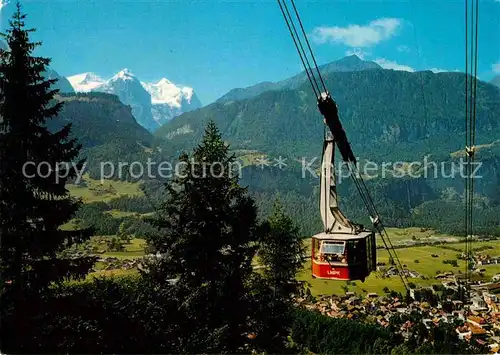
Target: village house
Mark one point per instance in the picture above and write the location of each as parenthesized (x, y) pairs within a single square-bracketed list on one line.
[(496, 278), (457, 304), (478, 322), (489, 261), (478, 303), (463, 332)]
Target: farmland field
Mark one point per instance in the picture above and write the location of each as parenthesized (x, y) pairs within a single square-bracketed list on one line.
[(134, 249), (90, 190), (427, 266)]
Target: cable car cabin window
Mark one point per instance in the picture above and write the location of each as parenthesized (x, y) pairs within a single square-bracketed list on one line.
[(332, 248), (333, 251)]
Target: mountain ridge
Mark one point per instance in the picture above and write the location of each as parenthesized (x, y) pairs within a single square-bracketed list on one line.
[(104, 126), (99, 118), (62, 84), (346, 64)]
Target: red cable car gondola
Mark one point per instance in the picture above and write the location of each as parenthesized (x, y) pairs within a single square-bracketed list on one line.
[(338, 256), (344, 250)]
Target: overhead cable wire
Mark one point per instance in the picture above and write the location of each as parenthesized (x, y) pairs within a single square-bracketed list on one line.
[(298, 49), (301, 46), (308, 45), (466, 182), (372, 211), (473, 129), (424, 101), (473, 133), (471, 52)]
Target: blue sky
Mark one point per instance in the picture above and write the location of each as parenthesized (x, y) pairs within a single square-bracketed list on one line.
[(215, 45)]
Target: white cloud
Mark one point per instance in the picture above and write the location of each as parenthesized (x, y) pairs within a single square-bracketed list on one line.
[(358, 36), (389, 64), (358, 52), (405, 49), (496, 67)]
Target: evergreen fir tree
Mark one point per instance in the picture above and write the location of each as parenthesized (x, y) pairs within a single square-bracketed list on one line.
[(33, 205), (207, 230), (281, 252)]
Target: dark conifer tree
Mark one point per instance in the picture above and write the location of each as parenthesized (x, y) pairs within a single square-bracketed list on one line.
[(33, 205), (281, 252), (207, 231)]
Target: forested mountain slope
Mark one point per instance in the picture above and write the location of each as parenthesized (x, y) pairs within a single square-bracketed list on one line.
[(99, 118), (105, 127), (387, 115)]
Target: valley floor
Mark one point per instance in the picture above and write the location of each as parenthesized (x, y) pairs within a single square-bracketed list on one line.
[(423, 252), (425, 261)]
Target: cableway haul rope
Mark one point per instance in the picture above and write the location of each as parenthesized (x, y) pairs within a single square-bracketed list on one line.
[(470, 129), (337, 131)]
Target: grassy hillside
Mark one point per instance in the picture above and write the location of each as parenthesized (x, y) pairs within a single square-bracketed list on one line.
[(91, 190)]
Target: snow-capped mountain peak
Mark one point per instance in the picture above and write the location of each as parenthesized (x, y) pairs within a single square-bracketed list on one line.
[(164, 81), (124, 74), (166, 92), (85, 82)]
